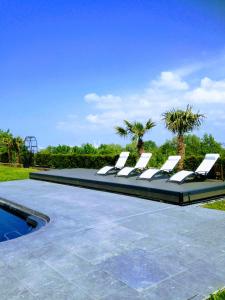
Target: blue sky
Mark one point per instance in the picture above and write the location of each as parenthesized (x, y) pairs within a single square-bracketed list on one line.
[(72, 70)]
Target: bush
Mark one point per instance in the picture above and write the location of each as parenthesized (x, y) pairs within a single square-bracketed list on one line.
[(4, 158), (26, 158), (90, 161), (96, 161)]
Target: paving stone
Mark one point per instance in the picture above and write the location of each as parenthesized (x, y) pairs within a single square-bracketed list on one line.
[(135, 269), (200, 281), (19, 294), (125, 294), (106, 246), (99, 284), (169, 290), (64, 291)]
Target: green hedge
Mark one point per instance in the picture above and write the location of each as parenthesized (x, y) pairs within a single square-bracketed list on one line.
[(90, 161)]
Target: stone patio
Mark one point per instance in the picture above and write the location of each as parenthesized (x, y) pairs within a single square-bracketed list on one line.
[(100, 245)]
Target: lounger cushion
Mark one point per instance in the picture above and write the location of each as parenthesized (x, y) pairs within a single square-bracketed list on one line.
[(122, 160), (125, 171), (207, 164), (149, 173), (119, 164), (143, 161), (179, 176), (105, 170), (171, 163)]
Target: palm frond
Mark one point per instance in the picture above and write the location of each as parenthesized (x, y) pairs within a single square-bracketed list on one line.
[(149, 125), (121, 131), (138, 129), (182, 121), (128, 126)]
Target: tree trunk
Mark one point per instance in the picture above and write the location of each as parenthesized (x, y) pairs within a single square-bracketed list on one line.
[(181, 151), (18, 157), (9, 156), (140, 146)]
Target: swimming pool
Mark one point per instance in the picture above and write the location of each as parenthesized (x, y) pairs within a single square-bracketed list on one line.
[(17, 221)]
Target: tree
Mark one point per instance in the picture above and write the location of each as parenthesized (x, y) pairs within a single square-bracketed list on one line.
[(150, 146), (181, 122), (8, 142), (136, 131), (88, 149), (11, 145), (192, 145), (210, 145), (17, 145), (112, 149)]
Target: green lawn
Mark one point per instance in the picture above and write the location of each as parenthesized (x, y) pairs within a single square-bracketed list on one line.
[(220, 295), (220, 205), (13, 173)]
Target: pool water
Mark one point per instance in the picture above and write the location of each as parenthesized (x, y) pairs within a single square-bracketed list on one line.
[(14, 224)]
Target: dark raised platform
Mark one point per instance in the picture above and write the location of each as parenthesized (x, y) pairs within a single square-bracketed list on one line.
[(157, 189)]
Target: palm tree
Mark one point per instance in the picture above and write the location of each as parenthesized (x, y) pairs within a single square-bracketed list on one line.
[(136, 130), (8, 142), (180, 122), (17, 144)]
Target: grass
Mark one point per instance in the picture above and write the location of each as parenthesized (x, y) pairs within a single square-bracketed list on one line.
[(219, 205), (220, 295), (13, 173)]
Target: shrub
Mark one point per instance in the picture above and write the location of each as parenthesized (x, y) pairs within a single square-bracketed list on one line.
[(96, 161), (90, 161), (4, 158)]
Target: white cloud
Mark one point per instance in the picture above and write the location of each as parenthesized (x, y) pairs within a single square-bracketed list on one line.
[(171, 89), (160, 95), (171, 81), (209, 91), (104, 101)]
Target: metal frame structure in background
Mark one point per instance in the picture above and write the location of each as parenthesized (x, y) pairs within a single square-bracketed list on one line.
[(31, 144)]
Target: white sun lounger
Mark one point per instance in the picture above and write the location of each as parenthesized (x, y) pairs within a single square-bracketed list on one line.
[(118, 166), (140, 165), (202, 171), (167, 167)]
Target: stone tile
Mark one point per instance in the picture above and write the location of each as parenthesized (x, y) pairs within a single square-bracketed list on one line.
[(10, 286), (177, 257), (135, 269), (70, 266), (107, 246), (169, 290), (200, 281), (99, 284), (18, 294), (124, 294), (152, 223), (97, 254), (64, 291), (35, 274), (214, 265)]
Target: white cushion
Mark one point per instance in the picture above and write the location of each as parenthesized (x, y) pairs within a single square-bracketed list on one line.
[(179, 176), (149, 173)]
